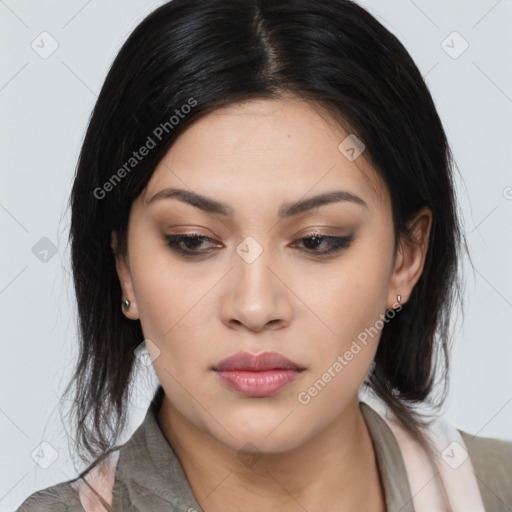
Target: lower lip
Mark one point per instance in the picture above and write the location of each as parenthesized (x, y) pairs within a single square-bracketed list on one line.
[(258, 384)]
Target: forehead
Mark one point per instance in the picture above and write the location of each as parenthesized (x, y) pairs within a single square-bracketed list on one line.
[(268, 149)]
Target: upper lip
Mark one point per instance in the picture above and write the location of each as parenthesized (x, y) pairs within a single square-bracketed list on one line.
[(261, 362)]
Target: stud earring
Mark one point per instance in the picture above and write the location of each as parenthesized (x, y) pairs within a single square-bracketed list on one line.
[(399, 299), (126, 304)]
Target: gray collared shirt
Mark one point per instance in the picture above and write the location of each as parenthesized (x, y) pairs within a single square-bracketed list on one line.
[(150, 478)]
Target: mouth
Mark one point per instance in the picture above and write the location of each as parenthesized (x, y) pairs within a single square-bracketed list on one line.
[(257, 375)]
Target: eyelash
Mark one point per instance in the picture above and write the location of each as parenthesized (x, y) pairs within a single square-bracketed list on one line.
[(337, 243)]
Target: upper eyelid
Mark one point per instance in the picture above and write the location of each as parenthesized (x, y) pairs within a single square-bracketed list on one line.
[(193, 234)]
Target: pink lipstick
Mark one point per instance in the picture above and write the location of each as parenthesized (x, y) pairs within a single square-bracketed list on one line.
[(257, 375)]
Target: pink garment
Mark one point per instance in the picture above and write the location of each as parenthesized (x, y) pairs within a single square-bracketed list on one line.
[(101, 478), (447, 485)]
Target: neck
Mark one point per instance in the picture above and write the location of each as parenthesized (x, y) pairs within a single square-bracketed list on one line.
[(334, 470)]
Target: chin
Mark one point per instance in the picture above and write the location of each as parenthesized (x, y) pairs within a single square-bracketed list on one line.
[(262, 444), (270, 436)]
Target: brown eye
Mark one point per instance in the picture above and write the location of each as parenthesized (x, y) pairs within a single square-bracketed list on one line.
[(187, 244), (334, 243)]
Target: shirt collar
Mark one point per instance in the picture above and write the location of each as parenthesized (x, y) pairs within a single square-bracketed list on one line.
[(150, 477), (389, 462)]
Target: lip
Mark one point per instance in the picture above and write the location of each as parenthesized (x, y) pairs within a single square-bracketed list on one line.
[(254, 363), (257, 375)]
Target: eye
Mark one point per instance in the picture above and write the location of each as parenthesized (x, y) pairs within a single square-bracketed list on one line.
[(191, 241), (335, 244), (190, 244)]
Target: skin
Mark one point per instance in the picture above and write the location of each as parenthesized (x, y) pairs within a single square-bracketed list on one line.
[(255, 157)]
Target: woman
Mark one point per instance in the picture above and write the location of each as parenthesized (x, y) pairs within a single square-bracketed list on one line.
[(264, 202)]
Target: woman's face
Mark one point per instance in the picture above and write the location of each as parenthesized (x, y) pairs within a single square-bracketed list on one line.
[(255, 283)]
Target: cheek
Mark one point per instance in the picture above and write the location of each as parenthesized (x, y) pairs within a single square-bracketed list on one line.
[(176, 304), (350, 300), (350, 295), (344, 354), (165, 295)]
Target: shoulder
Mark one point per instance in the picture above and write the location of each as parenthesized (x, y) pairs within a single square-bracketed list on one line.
[(60, 497), (94, 486), (489, 455), (492, 464)]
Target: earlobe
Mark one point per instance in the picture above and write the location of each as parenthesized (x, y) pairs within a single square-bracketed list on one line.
[(411, 255), (128, 304)]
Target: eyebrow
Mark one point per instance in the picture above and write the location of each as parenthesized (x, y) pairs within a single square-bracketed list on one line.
[(287, 210)]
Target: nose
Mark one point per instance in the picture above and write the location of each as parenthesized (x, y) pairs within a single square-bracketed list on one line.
[(257, 297)]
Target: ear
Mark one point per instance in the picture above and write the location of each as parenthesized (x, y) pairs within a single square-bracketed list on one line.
[(410, 257), (125, 278)]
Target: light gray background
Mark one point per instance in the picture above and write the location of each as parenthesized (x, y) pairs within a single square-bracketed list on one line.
[(45, 104)]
